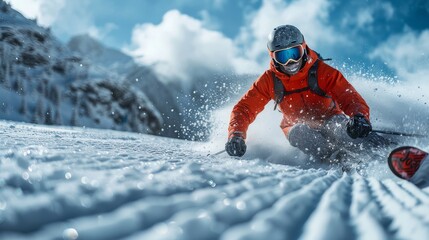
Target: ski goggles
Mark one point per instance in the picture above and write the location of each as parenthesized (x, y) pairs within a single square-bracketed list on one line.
[(287, 55)]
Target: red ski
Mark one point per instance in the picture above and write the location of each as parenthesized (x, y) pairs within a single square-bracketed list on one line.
[(405, 161)]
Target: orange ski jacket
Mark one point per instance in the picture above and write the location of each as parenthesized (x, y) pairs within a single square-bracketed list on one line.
[(304, 107)]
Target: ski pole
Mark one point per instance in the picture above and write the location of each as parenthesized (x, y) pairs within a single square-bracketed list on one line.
[(214, 154), (219, 152), (400, 133)]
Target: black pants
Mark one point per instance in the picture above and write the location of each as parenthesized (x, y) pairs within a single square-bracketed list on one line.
[(332, 136)]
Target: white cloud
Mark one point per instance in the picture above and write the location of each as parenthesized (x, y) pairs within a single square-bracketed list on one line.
[(407, 54), (182, 48)]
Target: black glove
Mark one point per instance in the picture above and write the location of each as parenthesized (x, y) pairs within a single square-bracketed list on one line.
[(236, 146), (358, 126)]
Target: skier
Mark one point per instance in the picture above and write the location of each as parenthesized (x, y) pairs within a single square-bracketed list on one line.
[(322, 111)]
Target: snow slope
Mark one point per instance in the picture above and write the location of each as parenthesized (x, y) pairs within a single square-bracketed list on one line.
[(59, 182)]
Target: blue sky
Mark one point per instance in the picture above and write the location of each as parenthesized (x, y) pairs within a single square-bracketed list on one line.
[(390, 36)]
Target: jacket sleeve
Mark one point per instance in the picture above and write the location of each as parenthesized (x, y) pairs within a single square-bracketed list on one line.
[(348, 99), (250, 105)]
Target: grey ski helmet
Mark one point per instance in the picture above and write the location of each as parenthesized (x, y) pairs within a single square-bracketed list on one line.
[(284, 36)]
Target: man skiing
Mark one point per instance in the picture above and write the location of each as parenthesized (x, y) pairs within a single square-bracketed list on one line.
[(322, 111)]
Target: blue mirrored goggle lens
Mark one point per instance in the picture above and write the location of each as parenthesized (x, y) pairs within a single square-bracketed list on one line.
[(285, 55)]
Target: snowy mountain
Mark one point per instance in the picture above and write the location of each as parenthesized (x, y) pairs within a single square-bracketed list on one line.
[(109, 58), (162, 98), (142, 77), (42, 81), (76, 183)]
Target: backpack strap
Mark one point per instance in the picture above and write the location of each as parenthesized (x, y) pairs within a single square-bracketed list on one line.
[(313, 82), (321, 58), (279, 90), (313, 85)]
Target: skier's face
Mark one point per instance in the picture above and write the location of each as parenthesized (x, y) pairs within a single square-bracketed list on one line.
[(291, 68)]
